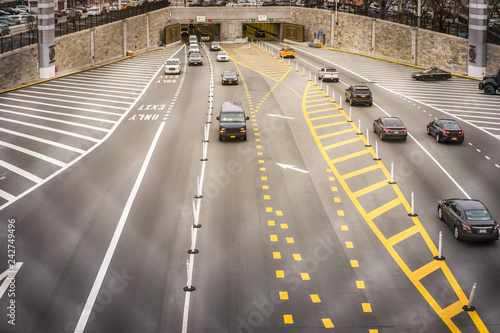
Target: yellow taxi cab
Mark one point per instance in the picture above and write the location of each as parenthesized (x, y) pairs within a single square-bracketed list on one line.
[(287, 52)]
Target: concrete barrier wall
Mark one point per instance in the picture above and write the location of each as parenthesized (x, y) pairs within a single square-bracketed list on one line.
[(351, 32)]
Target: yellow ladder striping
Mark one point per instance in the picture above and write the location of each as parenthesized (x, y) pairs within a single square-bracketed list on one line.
[(336, 133), (384, 208), (323, 110), (361, 171), (342, 143), (326, 117), (399, 237), (348, 157), (330, 124), (370, 188)]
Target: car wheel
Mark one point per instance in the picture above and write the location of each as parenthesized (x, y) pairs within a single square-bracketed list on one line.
[(245, 138), (370, 104), (374, 130), (489, 90), (440, 213), (437, 138), (428, 130), (455, 233), (404, 139), (220, 138)]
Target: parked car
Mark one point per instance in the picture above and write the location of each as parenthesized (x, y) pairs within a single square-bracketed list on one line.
[(359, 94), (4, 29), (10, 10), (3, 13), (9, 21), (215, 46), (195, 59), (446, 130), (229, 77), (222, 56), (390, 128), (22, 8), (432, 73), (328, 73), (468, 218)]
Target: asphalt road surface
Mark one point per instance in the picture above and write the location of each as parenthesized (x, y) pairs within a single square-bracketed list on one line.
[(104, 173)]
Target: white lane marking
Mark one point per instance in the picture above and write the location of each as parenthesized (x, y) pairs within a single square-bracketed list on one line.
[(55, 119), (53, 97), (33, 94), (33, 153), (116, 114), (278, 116), (432, 157), (45, 128), (291, 167), (11, 272), (86, 92), (49, 142), (84, 317), (92, 84), (7, 196), (21, 172)]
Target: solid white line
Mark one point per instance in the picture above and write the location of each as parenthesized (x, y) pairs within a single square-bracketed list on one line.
[(35, 138), (21, 172), (84, 317), (33, 153), (45, 128)]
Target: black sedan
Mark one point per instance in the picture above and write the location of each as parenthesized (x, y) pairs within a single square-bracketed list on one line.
[(468, 218), (390, 128), (446, 130), (260, 34), (229, 77), (432, 73)]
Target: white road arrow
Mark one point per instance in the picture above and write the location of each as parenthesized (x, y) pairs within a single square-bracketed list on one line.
[(293, 167), (279, 116), (7, 276)]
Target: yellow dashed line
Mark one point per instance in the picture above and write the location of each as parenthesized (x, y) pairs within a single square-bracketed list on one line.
[(263, 178), (334, 189), (262, 169), (288, 319), (279, 213), (331, 179), (327, 322), (280, 274), (315, 298), (344, 228), (284, 226), (269, 209), (270, 223), (267, 197), (265, 187), (283, 295), (360, 284), (274, 238), (290, 240), (349, 245), (354, 263), (336, 199), (297, 257), (305, 276), (340, 212), (366, 307), (276, 255), (261, 161)]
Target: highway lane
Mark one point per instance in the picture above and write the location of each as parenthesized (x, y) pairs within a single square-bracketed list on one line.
[(244, 246)]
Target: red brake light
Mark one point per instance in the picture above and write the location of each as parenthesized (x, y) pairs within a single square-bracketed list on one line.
[(496, 227), (465, 227), (445, 132), (387, 131), (353, 95), (461, 132), (404, 131)]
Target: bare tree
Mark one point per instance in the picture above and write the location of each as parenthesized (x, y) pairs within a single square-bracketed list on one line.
[(73, 16), (32, 24)]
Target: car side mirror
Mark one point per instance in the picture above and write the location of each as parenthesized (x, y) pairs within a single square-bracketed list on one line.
[(218, 118), (248, 118), (222, 75)]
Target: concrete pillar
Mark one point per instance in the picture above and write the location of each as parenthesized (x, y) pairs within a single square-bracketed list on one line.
[(374, 29), (414, 41), (124, 29), (92, 47), (477, 37), (147, 31), (46, 39), (332, 29)]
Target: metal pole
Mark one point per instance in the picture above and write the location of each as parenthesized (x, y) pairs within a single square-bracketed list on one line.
[(350, 120), (327, 91), (189, 287), (359, 127), (367, 139), (412, 206), (192, 250), (392, 174), (440, 247), (376, 152)]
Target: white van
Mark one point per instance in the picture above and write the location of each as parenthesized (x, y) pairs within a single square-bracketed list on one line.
[(193, 39), (173, 66), (94, 11), (194, 48)]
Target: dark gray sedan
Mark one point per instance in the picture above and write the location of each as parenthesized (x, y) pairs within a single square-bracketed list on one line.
[(446, 130), (390, 128), (468, 218)]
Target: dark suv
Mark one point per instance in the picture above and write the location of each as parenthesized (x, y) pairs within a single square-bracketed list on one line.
[(232, 121), (358, 95), (4, 29)]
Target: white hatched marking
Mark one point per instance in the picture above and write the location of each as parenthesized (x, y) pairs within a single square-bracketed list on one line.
[(92, 83), (7, 196), (33, 153), (52, 129), (30, 95), (59, 120), (21, 172), (49, 142), (87, 92), (64, 107)]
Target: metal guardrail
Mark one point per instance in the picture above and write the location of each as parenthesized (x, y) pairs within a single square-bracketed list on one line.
[(22, 39)]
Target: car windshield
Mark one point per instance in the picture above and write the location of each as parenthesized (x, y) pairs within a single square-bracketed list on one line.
[(194, 47), (393, 122), (330, 70), (232, 117), (172, 62), (477, 215), (451, 126), (426, 71), (215, 44), (362, 91), (195, 55), (223, 54), (229, 75)]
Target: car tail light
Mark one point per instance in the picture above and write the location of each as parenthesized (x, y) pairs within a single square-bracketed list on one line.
[(353, 95), (222, 131), (404, 131), (445, 132), (496, 228), (461, 132), (465, 227), (387, 131)]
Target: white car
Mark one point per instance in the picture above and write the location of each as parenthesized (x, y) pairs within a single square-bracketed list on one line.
[(194, 48), (328, 73), (222, 56), (173, 66)]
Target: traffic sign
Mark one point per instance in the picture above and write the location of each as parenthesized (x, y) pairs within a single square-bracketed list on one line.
[(200, 18), (262, 18), (320, 32)]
